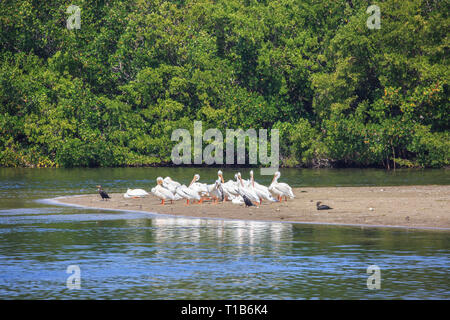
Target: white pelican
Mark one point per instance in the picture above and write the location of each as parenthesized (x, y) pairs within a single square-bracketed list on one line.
[(162, 192), (260, 190), (229, 188), (280, 189), (169, 186), (240, 180), (247, 191), (238, 200), (169, 182), (215, 191), (135, 193), (187, 193), (201, 188)]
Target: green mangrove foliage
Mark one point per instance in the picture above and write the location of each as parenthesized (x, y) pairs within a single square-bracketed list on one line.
[(111, 92)]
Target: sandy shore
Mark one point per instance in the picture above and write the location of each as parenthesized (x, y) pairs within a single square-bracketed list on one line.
[(407, 206)]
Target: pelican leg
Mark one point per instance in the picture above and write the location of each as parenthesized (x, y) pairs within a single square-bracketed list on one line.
[(285, 198), (171, 201), (162, 202)]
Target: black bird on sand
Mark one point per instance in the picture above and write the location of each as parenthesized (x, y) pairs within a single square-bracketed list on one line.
[(247, 201), (103, 193), (322, 206)]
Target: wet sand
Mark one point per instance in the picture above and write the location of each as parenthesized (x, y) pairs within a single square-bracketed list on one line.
[(400, 206)]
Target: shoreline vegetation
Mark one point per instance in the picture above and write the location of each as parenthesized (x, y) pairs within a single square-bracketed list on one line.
[(111, 93), (412, 207)]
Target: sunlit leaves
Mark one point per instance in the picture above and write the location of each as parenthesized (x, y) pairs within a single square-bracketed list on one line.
[(112, 92)]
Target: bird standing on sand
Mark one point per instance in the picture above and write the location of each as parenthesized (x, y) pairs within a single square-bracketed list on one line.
[(201, 188), (261, 191), (161, 192), (170, 184), (187, 193), (247, 201), (322, 206), (280, 189), (103, 193), (244, 189), (230, 188), (216, 191)]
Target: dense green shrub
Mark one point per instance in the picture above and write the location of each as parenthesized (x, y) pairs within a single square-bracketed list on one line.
[(112, 92)]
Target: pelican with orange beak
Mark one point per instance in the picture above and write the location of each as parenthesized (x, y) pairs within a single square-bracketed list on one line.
[(247, 191), (280, 189), (200, 188), (161, 192), (261, 191)]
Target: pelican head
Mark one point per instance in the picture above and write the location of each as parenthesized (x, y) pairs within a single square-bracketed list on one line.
[(252, 179), (194, 179), (240, 178), (159, 180), (220, 175), (276, 176)]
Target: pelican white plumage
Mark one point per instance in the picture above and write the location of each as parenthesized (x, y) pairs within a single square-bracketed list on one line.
[(135, 193), (233, 186), (238, 200), (169, 181), (261, 191), (244, 189), (161, 192), (201, 188), (187, 193), (240, 180), (229, 188), (215, 191), (280, 189), (220, 176), (169, 186)]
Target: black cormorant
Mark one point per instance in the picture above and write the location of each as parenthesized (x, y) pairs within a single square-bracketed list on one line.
[(322, 206), (103, 193), (247, 201)]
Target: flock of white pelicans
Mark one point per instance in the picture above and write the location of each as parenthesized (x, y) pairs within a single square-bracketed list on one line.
[(238, 191)]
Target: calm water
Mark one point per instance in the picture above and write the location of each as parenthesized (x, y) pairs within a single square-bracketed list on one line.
[(133, 255)]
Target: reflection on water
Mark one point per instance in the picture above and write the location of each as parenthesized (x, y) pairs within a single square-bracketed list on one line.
[(236, 237), (132, 255), (135, 257)]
